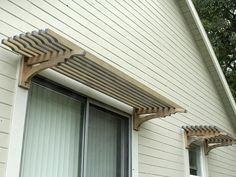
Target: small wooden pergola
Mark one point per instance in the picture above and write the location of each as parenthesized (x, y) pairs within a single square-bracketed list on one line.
[(211, 137), (46, 49)]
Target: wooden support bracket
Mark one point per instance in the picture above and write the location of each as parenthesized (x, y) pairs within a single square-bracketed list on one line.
[(30, 70), (209, 146), (41, 50), (141, 116)]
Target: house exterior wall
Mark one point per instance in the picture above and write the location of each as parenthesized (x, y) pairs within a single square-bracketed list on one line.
[(209, 56), (148, 40), (8, 67)]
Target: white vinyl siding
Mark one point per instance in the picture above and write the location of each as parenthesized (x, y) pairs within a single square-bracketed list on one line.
[(8, 68), (151, 41)]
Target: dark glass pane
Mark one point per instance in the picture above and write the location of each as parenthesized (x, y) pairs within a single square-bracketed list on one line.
[(194, 161), (107, 150)]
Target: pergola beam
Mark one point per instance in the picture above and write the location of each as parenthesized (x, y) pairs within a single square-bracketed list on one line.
[(46, 49)]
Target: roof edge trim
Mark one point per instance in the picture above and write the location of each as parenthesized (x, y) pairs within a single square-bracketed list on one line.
[(211, 53)]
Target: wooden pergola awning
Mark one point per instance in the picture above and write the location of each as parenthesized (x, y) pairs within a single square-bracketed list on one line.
[(211, 136), (46, 49)]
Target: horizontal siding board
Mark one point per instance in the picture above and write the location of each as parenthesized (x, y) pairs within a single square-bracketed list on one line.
[(160, 153), (3, 155), (171, 10), (224, 164), (2, 169), (5, 111), (4, 125), (160, 130), (7, 69), (4, 140), (162, 37), (164, 141), (142, 174), (14, 19), (160, 146), (9, 57), (221, 154), (155, 170), (220, 174), (8, 30), (160, 162), (221, 170), (6, 97), (7, 83)]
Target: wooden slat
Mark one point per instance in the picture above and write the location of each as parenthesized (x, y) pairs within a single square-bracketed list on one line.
[(113, 83), (23, 48), (128, 79), (79, 77), (28, 46), (48, 43), (41, 44), (54, 41), (33, 44), (126, 85), (15, 48)]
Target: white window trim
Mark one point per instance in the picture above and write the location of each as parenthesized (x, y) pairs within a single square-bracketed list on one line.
[(203, 161), (16, 129), (19, 115)]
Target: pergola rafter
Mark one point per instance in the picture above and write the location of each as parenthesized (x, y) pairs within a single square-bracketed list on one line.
[(46, 49)]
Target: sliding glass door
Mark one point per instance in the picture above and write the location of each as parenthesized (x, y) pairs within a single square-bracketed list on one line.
[(52, 134), (60, 141), (107, 148)]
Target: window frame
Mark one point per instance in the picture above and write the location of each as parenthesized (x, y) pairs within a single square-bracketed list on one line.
[(86, 101), (85, 138), (203, 162)]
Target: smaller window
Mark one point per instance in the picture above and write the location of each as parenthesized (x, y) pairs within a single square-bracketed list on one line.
[(195, 160)]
